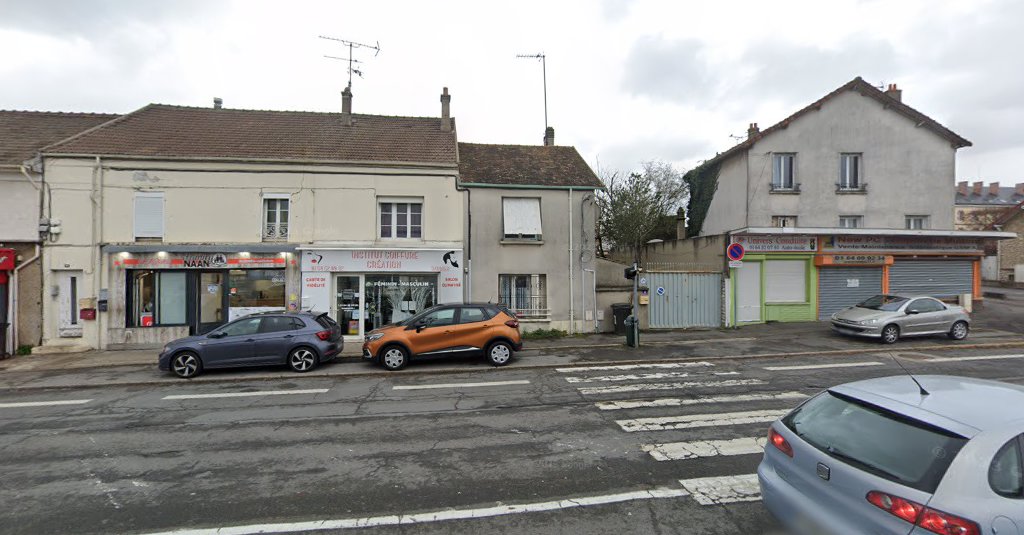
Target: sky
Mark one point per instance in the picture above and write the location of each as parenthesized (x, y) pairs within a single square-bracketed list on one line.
[(627, 81)]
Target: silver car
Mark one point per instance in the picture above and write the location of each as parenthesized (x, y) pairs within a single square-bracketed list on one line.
[(880, 456), (890, 317)]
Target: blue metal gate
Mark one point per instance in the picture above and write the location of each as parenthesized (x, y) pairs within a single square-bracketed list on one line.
[(682, 299)]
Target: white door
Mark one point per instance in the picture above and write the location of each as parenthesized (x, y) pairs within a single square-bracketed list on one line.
[(69, 325), (748, 292)]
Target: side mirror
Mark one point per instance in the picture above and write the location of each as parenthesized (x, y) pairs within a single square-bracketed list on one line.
[(215, 334), (911, 312)]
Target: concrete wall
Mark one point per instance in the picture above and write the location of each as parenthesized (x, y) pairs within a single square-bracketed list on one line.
[(728, 210), (20, 207), (1011, 252), (705, 252), (550, 257)]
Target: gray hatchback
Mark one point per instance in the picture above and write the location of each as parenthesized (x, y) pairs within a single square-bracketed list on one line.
[(883, 456), (299, 339)]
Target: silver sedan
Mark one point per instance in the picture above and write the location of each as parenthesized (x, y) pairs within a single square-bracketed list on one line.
[(890, 317)]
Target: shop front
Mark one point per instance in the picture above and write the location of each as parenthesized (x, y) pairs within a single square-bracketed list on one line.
[(774, 280), (847, 279), (368, 288)]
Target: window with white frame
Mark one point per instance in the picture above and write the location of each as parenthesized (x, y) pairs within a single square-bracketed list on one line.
[(917, 222), (526, 295), (149, 214), (851, 221), (521, 218), (783, 221), (849, 170), (785, 281), (275, 216), (782, 171), (401, 218)]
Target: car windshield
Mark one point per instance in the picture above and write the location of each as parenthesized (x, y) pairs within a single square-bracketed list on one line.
[(875, 440), (888, 303), (412, 319)]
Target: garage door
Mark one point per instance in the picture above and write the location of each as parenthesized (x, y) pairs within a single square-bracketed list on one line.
[(840, 287), (937, 278)]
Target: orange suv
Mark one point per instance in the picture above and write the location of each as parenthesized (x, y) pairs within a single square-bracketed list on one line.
[(443, 330)]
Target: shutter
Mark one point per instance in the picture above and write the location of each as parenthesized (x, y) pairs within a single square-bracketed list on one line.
[(149, 215), (841, 287), (522, 216), (785, 281), (937, 278)]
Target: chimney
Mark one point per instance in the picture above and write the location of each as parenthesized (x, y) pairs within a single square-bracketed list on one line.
[(976, 188), (1019, 189), (961, 188), (218, 103), (549, 136), (446, 112), (895, 93), (993, 189), (753, 130), (346, 106), (680, 224)]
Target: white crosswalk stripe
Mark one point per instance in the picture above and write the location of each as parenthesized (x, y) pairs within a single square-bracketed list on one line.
[(639, 387), (639, 377), (822, 366), (723, 489), (677, 451), (689, 421), (679, 402), (625, 367)]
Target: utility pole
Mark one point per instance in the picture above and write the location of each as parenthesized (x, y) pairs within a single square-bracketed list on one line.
[(544, 68)]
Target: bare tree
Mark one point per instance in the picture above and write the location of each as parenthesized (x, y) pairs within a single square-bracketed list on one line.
[(636, 207)]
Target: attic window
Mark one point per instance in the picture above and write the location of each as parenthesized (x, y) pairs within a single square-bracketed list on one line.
[(521, 218)]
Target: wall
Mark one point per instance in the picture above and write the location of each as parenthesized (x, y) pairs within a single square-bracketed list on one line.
[(728, 207), (1011, 252), (20, 207), (969, 217), (702, 251)]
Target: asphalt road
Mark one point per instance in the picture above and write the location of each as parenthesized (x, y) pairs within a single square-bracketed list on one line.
[(593, 449)]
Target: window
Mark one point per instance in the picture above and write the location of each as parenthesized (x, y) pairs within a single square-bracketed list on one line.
[(275, 217), (149, 214), (851, 221), (526, 295), (782, 171), (920, 306), (473, 315), (401, 219), (849, 171), (393, 298), (276, 324), (521, 218), (242, 327), (785, 281), (445, 316), (783, 221), (917, 222), (157, 298), (1006, 473), (255, 290)]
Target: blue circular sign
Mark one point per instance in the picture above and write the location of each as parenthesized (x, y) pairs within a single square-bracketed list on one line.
[(735, 252), (661, 290)]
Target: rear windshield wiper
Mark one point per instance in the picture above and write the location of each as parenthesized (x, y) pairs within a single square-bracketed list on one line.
[(833, 451)]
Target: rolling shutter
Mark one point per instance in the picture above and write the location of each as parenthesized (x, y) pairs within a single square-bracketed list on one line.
[(785, 281), (521, 216), (841, 287), (149, 215), (937, 278)]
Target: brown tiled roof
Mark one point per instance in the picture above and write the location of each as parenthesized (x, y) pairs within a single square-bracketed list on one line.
[(526, 165), (22, 133), (864, 88), (162, 131)]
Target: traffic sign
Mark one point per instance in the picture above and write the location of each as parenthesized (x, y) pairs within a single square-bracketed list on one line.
[(661, 290), (735, 252)]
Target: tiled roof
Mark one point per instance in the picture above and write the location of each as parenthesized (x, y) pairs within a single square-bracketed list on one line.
[(162, 131), (525, 165), (22, 133), (1007, 197), (864, 88)]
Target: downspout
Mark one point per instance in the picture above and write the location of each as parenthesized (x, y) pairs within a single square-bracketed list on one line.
[(97, 236), (14, 296), (572, 318), (468, 294)]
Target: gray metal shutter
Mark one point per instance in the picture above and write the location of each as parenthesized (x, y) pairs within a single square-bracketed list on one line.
[(937, 278), (149, 214), (841, 287), (686, 300)]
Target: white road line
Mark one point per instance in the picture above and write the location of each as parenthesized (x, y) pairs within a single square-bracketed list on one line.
[(677, 451), (638, 377), (459, 385), (723, 489), (247, 394), (664, 366), (679, 402), (689, 421), (640, 387), (43, 403), (822, 366), (978, 357), (434, 516)]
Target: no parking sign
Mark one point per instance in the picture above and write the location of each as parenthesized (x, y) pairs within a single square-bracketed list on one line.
[(735, 252)]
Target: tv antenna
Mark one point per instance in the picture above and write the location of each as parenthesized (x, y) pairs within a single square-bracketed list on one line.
[(544, 67), (352, 45)]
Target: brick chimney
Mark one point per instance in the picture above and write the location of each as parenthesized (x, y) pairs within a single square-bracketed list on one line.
[(346, 106), (446, 111), (753, 130), (895, 93), (680, 224), (993, 189), (549, 136), (1019, 189), (976, 188), (961, 188), (218, 103)]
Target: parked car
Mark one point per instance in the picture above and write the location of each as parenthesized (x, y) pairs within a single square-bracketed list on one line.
[(891, 317), (299, 339), (881, 456), (445, 330)]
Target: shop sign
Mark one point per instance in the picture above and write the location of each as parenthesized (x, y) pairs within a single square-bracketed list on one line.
[(198, 261), (384, 261), (776, 243), (7, 257), (901, 243), (858, 259)]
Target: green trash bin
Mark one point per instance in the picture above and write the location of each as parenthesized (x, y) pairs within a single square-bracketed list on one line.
[(632, 332)]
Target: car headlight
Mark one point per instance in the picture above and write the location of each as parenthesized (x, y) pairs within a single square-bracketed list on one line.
[(835, 316), (374, 336), (870, 321)]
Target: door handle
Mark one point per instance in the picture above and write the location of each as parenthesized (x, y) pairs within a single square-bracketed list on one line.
[(289, 336), (251, 340)]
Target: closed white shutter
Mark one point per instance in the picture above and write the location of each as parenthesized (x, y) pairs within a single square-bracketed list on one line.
[(149, 215), (785, 281), (522, 216)]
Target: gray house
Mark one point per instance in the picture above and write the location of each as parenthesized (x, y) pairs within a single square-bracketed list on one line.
[(530, 220)]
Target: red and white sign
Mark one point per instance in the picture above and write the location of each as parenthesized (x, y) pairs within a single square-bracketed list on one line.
[(199, 261), (776, 243), (7, 257)]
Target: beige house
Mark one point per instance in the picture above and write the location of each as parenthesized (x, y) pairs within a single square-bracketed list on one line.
[(171, 220), (978, 207)]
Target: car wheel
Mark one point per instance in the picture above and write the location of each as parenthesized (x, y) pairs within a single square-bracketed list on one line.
[(959, 330), (186, 365), (302, 359), (890, 333), (394, 358), (499, 353)]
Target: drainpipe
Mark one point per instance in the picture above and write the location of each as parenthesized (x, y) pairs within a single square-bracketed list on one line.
[(572, 318), (468, 294), (97, 237)]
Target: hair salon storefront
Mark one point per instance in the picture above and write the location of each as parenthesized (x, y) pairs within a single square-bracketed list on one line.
[(364, 289)]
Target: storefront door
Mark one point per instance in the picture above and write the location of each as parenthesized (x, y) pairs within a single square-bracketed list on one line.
[(748, 292), (347, 304), (212, 300)]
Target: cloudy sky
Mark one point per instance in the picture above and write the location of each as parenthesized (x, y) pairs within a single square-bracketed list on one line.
[(628, 81)]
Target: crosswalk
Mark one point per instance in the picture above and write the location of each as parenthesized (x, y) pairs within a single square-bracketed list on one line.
[(712, 413)]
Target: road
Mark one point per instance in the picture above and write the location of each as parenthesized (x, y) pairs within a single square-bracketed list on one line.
[(658, 448)]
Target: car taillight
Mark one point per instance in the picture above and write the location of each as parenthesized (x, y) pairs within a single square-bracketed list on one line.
[(921, 516), (779, 442), (324, 335), (513, 323)]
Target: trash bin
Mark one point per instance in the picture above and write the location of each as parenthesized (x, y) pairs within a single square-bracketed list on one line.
[(619, 313), (632, 332)]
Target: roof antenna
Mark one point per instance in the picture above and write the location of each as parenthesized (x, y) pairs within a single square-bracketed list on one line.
[(351, 45), (912, 378), (544, 66)]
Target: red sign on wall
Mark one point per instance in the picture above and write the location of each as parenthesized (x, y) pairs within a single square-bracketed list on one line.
[(7, 257)]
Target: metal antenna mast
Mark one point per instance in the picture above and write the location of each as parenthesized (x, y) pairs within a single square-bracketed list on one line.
[(352, 45), (544, 68)]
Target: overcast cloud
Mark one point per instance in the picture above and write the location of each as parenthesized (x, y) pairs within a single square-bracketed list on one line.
[(627, 81)]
